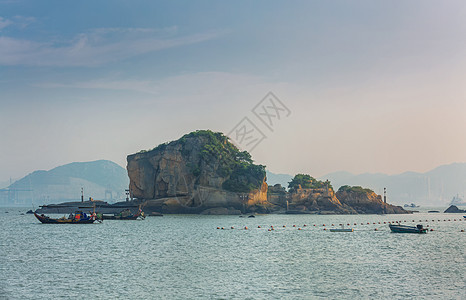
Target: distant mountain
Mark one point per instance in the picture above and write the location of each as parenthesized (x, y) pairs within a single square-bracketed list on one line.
[(436, 187), (101, 179), (282, 179)]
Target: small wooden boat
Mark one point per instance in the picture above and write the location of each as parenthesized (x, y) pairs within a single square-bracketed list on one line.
[(407, 229), (78, 218)]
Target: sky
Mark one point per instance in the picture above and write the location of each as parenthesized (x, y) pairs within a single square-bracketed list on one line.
[(362, 86)]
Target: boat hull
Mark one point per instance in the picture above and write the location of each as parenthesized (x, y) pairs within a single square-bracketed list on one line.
[(341, 230), (406, 229), (47, 220)]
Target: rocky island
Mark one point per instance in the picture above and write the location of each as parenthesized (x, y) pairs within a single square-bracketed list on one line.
[(203, 172)]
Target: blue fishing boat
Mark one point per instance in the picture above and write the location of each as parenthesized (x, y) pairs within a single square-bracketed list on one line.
[(407, 229)]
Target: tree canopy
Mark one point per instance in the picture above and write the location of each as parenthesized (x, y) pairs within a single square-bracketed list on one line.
[(307, 182)]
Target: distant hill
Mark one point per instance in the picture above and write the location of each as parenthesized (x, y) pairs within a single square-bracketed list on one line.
[(436, 187), (101, 179), (282, 179)]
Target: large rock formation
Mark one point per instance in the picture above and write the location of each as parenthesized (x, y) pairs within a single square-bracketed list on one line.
[(200, 171), (365, 201)]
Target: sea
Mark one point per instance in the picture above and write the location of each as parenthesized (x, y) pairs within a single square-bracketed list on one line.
[(192, 257)]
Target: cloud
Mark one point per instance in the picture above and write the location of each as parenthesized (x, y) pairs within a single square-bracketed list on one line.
[(4, 23), (94, 48), (16, 21), (192, 83)]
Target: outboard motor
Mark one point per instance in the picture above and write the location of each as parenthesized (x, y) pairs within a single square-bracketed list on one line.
[(419, 226)]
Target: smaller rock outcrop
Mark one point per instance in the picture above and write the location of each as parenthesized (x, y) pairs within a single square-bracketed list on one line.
[(365, 201), (454, 209)]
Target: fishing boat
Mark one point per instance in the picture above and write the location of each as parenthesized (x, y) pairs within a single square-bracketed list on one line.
[(77, 218), (125, 215), (407, 229)]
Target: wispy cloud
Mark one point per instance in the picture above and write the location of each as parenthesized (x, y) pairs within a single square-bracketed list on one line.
[(193, 84), (4, 23), (16, 21), (94, 48)]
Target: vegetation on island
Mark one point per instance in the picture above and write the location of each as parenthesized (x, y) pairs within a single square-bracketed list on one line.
[(306, 181), (243, 175), (354, 189)]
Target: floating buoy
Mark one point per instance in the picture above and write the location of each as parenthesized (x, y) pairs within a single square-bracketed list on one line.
[(273, 228), (299, 228), (218, 227), (284, 226), (294, 225), (427, 226), (232, 227), (354, 223), (431, 229), (270, 229), (259, 226), (324, 225), (314, 224), (333, 225), (462, 230), (375, 229), (245, 227), (223, 227), (304, 225), (325, 228)]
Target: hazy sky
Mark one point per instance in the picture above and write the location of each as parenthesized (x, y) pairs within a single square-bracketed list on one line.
[(371, 86)]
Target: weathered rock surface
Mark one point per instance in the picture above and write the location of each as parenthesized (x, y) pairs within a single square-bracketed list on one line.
[(317, 200), (365, 201), (200, 171)]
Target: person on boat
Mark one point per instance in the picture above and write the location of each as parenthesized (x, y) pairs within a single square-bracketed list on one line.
[(71, 217)]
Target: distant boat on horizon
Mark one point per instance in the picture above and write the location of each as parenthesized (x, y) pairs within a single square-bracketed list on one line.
[(412, 205)]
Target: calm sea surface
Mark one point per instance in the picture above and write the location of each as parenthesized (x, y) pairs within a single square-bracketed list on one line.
[(187, 257)]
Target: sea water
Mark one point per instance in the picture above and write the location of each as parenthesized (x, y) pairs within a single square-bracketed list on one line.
[(187, 257)]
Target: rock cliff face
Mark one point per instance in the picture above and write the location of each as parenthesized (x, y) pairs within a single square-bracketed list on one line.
[(320, 200), (200, 171), (365, 201)]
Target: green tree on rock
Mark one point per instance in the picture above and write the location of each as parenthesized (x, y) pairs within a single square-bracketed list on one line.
[(307, 182)]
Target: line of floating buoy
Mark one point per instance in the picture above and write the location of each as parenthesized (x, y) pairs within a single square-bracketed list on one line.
[(355, 224)]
